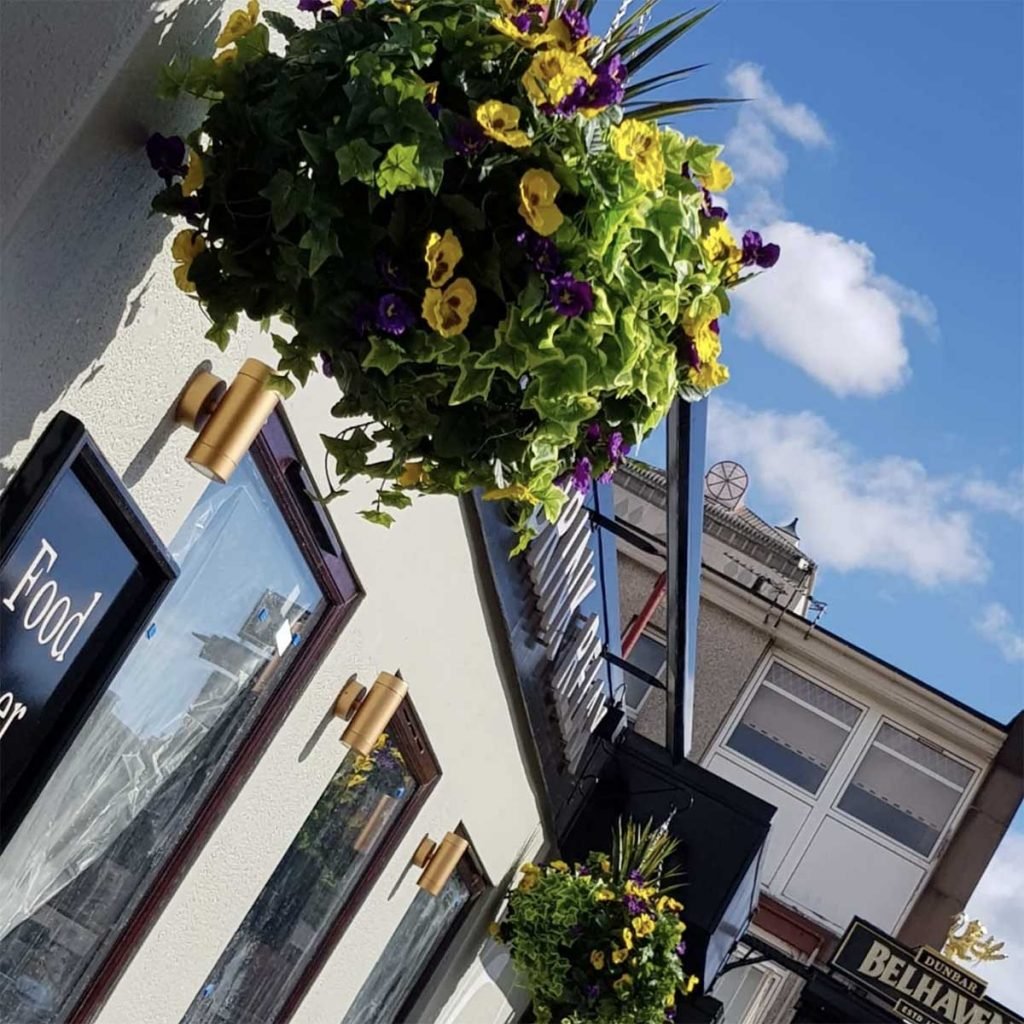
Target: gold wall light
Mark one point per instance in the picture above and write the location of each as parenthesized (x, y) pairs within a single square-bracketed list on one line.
[(439, 860), (368, 712), (228, 420)]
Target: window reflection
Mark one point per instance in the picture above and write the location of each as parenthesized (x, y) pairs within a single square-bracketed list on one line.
[(418, 935), (308, 889), (148, 756)]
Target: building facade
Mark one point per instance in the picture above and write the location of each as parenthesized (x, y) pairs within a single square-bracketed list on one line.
[(890, 796)]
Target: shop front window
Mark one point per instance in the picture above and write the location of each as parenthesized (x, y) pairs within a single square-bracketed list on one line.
[(272, 956), (411, 952), (131, 785)]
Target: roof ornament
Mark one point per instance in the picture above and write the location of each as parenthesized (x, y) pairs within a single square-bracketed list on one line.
[(726, 482)]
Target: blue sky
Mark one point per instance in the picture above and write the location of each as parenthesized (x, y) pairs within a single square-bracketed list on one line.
[(878, 370), (900, 128)]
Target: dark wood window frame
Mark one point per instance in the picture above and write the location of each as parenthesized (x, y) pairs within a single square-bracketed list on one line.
[(472, 873), (407, 731), (279, 459)]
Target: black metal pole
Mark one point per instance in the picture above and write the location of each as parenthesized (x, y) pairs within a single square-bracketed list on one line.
[(687, 433)]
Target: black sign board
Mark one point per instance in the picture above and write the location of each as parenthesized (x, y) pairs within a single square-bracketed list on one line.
[(81, 573), (920, 985)]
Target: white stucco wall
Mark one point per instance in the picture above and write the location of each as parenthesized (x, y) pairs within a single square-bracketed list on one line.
[(92, 324)]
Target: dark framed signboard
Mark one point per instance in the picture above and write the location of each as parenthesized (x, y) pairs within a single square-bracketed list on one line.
[(920, 985), (81, 573)]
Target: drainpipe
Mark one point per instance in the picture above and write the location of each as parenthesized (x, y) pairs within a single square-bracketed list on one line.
[(639, 624)]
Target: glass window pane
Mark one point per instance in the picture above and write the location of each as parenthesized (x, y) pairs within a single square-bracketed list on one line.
[(306, 892), (420, 932), (154, 747), (648, 654), (810, 693), (788, 739), (899, 799)]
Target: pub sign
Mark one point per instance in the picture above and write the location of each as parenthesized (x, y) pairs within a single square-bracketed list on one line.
[(81, 573), (920, 985)]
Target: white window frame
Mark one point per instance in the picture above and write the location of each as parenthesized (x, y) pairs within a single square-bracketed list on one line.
[(884, 838), (721, 744), (633, 713)]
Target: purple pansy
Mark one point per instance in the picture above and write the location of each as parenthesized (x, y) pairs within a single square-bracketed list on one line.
[(714, 326), (634, 875), (581, 474), (670, 1013), (711, 210), (592, 992), (394, 315), (468, 139), (388, 269), (313, 6), (576, 22), (692, 358), (327, 364), (634, 905), (681, 949), (328, 15), (607, 89), (166, 155), (570, 296), (583, 872), (593, 432), (755, 251), (541, 252), (617, 451), (606, 476), (349, 7)]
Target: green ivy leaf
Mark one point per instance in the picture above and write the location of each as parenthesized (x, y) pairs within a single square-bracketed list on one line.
[(281, 23), (384, 355), (289, 196), (356, 159), (522, 543), (220, 333), (378, 518), (394, 499), (349, 452), (282, 384), (322, 244), (254, 45), (170, 81), (473, 382), (562, 379), (400, 169)]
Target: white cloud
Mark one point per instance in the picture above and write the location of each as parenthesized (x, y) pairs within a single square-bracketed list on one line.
[(824, 308), (888, 515), (1007, 498), (995, 624), (998, 902), (752, 145)]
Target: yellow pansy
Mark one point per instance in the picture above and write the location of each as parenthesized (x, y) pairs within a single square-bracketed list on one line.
[(355, 780), (691, 983), (442, 254), (711, 375), (622, 983), (537, 191), (618, 955), (530, 869), (702, 310), (494, 930), (239, 23), (193, 181), (720, 247), (643, 925), (514, 492), (507, 27), (627, 938), (604, 895), (412, 474), (448, 311), (347, 5), (559, 865), (553, 74), (501, 121), (405, 6), (226, 56), (605, 865), (719, 178), (431, 96), (528, 882), (187, 245), (708, 347), (670, 999), (597, 959), (639, 144), (381, 743)]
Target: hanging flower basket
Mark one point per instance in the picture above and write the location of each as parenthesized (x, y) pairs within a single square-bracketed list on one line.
[(465, 213), (601, 941)]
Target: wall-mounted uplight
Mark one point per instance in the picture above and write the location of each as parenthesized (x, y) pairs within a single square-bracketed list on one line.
[(228, 419), (439, 860), (368, 712)]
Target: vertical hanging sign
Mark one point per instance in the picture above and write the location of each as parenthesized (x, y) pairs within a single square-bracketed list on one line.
[(81, 573)]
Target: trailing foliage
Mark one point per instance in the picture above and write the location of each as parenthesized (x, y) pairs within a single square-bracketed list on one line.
[(446, 205), (601, 941)]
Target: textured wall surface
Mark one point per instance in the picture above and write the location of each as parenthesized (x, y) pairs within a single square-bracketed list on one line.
[(92, 324)]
